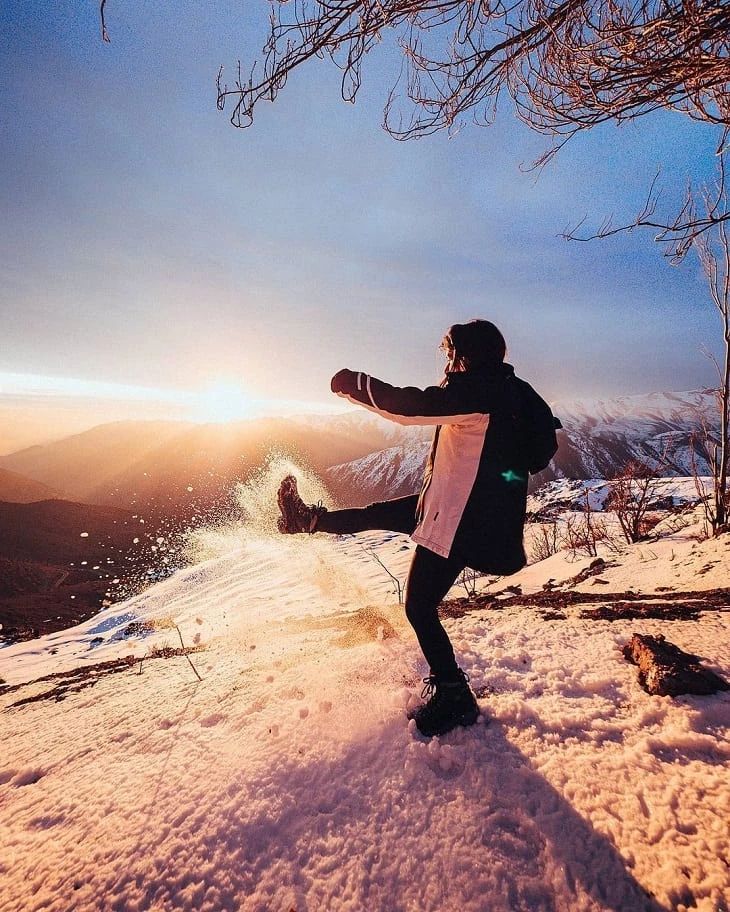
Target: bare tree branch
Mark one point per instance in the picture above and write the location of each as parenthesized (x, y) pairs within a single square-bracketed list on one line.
[(104, 32), (633, 488), (184, 648), (713, 252), (678, 234), (566, 65)]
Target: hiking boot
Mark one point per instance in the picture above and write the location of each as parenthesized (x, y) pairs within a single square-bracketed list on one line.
[(296, 516), (451, 703)]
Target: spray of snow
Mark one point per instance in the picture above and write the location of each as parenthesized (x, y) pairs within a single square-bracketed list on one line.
[(255, 509)]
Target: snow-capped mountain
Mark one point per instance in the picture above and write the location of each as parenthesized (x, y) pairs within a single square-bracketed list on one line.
[(394, 472), (599, 436)]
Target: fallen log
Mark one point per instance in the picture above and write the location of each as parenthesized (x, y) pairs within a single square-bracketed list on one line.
[(666, 670)]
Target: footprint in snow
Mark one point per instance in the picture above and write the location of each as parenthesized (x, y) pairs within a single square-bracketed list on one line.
[(515, 840), (211, 720), (47, 821), (28, 776)]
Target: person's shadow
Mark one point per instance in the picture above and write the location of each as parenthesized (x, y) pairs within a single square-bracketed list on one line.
[(531, 821), (358, 830)]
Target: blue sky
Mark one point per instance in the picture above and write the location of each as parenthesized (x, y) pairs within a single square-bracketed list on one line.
[(145, 241)]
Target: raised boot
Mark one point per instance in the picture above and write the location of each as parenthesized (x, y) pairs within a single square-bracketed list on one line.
[(296, 516)]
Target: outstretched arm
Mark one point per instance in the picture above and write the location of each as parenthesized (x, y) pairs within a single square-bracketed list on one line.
[(406, 404)]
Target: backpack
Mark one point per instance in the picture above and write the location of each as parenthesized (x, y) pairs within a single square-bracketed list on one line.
[(536, 427)]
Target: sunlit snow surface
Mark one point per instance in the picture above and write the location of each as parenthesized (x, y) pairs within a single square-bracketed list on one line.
[(289, 779)]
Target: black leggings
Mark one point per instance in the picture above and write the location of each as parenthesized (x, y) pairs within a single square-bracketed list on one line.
[(429, 578)]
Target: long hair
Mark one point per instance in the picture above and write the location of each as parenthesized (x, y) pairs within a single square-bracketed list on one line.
[(476, 345)]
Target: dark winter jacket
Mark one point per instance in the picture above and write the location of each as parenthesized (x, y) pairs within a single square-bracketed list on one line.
[(475, 485)]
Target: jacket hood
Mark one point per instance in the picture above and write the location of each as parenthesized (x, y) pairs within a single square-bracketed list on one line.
[(501, 372)]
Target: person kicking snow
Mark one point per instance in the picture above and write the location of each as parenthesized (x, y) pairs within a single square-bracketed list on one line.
[(492, 430)]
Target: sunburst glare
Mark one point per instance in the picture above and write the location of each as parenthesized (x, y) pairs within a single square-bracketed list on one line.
[(223, 401)]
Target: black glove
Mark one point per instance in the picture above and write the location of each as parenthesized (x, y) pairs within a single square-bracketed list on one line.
[(342, 381)]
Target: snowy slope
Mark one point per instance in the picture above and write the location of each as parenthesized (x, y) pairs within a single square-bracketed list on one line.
[(672, 409), (289, 778)]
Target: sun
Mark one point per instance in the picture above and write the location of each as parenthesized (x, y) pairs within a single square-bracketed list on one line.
[(221, 402)]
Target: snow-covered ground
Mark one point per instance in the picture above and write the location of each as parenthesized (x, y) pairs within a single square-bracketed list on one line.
[(289, 778), (573, 493)]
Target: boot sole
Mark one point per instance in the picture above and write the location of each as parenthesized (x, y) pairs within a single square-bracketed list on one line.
[(464, 720)]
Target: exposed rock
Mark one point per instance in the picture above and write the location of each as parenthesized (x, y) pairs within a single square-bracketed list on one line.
[(666, 670), (596, 566)]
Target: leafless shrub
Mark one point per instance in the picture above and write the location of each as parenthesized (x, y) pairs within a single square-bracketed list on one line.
[(582, 533), (468, 579), (632, 490), (545, 542)]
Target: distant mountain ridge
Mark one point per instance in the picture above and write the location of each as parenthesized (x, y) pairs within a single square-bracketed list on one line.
[(393, 472), (57, 557), (603, 434), (598, 437), (16, 488), (162, 467)]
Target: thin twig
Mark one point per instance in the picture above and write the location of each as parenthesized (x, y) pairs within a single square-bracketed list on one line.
[(186, 654), (398, 584)]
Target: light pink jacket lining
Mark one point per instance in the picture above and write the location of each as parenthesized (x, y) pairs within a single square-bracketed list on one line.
[(458, 453)]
